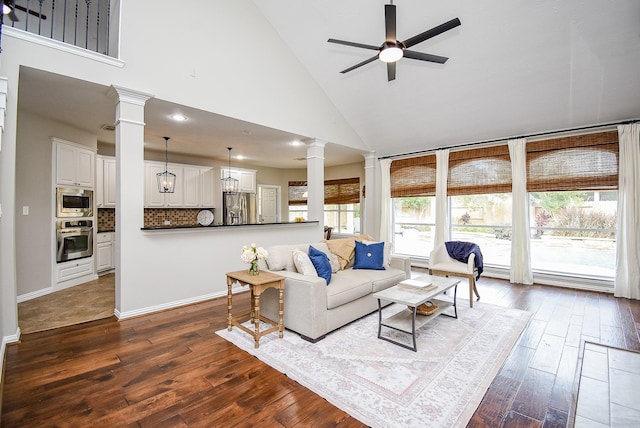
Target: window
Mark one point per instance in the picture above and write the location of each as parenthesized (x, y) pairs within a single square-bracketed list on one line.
[(413, 189), (341, 203), (572, 186), (479, 189)]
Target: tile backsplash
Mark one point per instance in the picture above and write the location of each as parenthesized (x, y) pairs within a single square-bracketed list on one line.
[(152, 217), (106, 219), (177, 216)]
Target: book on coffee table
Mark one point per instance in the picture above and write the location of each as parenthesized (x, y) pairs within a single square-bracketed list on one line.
[(419, 285)]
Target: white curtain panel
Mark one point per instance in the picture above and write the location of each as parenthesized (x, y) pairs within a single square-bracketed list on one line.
[(520, 272), (628, 237), (385, 200), (442, 218)]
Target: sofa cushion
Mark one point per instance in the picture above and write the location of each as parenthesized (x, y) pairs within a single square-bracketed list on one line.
[(321, 262), (387, 252), (369, 256), (347, 286), (303, 263), (382, 279), (281, 257)]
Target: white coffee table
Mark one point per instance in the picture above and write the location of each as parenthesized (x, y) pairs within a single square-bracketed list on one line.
[(406, 321)]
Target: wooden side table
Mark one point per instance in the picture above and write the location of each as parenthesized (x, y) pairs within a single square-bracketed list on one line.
[(257, 284)]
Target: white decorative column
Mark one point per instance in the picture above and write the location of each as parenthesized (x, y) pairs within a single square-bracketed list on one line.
[(315, 180), (129, 186), (370, 200)]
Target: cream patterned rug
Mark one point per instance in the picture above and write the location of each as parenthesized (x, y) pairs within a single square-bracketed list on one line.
[(385, 385)]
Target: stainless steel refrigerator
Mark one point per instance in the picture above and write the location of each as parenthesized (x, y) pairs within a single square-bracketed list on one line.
[(239, 208)]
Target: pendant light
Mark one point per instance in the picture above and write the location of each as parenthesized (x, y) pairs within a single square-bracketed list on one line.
[(229, 184), (166, 179)]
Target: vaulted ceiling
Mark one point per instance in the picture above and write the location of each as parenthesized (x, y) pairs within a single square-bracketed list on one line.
[(515, 67)]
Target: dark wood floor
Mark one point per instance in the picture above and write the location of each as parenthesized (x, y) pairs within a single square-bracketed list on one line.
[(171, 369)]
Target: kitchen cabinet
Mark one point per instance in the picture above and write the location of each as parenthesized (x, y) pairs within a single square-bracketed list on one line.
[(246, 178), (207, 187), (152, 197), (75, 165), (74, 269), (105, 182), (194, 186), (104, 251)]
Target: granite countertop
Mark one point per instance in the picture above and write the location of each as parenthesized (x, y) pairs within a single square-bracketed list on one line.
[(106, 230), (222, 226)]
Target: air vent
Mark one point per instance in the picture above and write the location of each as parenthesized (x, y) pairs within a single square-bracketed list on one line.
[(107, 127)]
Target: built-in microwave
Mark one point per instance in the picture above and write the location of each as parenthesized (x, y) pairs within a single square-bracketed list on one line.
[(74, 202)]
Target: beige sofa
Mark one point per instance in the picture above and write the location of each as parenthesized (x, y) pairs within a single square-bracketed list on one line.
[(314, 309)]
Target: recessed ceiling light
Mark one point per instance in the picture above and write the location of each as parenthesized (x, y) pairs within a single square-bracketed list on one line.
[(246, 132), (239, 157), (295, 143), (178, 117)]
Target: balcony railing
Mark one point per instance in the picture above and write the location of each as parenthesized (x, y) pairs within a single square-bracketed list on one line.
[(88, 24)]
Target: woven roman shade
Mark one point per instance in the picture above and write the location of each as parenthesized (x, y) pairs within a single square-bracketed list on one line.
[(297, 193), (583, 162), (340, 191), (479, 171), (413, 176)]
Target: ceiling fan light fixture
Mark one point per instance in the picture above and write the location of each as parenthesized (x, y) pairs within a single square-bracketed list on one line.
[(5, 9), (390, 53)]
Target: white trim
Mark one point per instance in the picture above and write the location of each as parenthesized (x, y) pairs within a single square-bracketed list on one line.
[(3, 347), (61, 46), (172, 305), (34, 294)]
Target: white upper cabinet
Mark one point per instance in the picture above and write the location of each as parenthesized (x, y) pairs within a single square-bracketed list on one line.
[(194, 186), (246, 178), (105, 182), (75, 166)]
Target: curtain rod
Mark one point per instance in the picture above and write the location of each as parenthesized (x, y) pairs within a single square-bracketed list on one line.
[(540, 134)]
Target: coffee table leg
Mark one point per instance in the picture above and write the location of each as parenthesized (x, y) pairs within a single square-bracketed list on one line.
[(379, 319), (455, 307), (413, 328)]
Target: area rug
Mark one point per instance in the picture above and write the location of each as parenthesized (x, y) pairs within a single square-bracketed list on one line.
[(384, 385)]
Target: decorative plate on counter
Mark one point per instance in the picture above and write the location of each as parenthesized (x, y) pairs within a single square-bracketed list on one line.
[(205, 217)]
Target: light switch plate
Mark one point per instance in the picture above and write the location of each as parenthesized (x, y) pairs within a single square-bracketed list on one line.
[(25, 210)]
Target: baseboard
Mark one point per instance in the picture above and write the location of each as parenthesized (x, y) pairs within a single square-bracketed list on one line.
[(34, 294), (172, 305), (3, 352)]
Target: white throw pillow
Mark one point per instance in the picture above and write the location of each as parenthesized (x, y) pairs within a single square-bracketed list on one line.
[(386, 261), (303, 263)]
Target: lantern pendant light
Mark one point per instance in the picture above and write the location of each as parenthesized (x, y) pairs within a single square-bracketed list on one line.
[(229, 184), (166, 179)]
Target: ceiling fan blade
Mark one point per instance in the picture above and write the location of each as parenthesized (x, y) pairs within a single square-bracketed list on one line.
[(390, 22), (424, 56), (431, 33), (355, 45), (367, 61), (391, 71)]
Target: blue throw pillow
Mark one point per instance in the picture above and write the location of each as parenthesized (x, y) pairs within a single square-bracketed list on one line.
[(369, 256), (321, 263)]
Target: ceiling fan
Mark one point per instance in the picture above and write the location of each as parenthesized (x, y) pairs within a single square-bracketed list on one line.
[(391, 50), (9, 8)]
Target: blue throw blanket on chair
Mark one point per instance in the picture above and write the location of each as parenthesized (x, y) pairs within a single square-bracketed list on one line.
[(461, 251)]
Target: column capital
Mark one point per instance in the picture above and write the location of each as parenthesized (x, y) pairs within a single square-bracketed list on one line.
[(118, 93)]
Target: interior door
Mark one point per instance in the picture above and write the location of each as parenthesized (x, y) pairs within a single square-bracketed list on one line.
[(269, 204)]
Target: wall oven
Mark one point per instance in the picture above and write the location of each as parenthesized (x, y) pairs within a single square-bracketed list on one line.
[(75, 239), (74, 202)]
